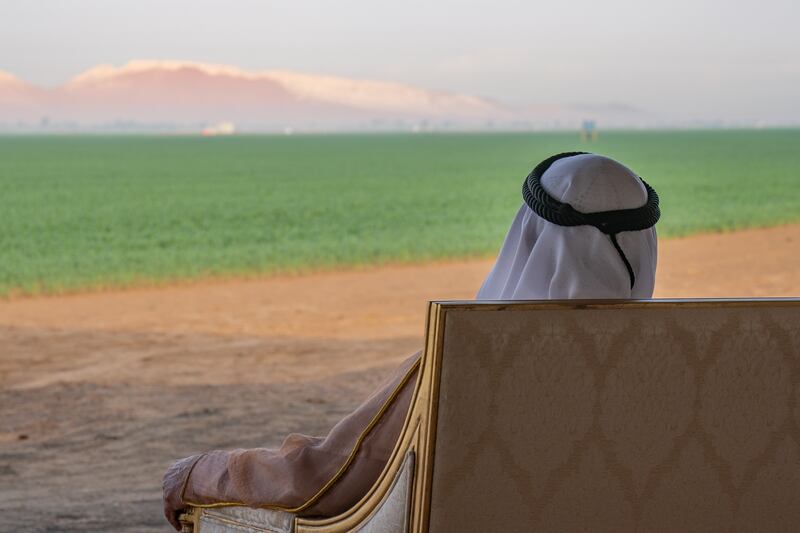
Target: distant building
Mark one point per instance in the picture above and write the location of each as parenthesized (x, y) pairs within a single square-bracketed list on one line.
[(222, 128)]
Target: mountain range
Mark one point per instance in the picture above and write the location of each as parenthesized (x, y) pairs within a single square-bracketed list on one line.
[(185, 96)]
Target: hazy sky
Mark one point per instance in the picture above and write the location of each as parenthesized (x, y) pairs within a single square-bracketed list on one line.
[(730, 59)]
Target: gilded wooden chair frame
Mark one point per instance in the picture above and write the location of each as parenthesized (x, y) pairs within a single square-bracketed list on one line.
[(418, 435)]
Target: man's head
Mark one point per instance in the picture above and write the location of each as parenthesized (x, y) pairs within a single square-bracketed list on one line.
[(584, 231)]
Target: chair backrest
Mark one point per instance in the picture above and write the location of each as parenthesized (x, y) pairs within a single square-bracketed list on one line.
[(636, 416)]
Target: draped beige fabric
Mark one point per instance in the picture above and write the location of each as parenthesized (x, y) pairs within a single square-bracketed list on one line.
[(309, 475)]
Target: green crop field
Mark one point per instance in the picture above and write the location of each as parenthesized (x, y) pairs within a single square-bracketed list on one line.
[(90, 211)]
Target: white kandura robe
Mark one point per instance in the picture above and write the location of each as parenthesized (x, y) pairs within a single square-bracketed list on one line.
[(538, 261)]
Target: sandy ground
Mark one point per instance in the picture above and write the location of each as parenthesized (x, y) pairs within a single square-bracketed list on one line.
[(98, 392)]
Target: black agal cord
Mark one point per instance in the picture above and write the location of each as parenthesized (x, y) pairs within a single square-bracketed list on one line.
[(609, 222)]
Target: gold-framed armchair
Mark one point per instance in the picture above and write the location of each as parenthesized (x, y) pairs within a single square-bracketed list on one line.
[(663, 415)]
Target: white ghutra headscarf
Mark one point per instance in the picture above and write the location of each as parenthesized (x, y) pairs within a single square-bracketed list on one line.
[(541, 260)]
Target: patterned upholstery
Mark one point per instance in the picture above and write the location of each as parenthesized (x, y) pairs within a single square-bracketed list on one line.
[(245, 520), (640, 418), (392, 514)]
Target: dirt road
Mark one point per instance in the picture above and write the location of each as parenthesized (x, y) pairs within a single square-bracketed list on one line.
[(98, 392)]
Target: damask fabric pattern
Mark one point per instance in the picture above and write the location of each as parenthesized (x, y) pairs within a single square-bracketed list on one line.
[(646, 419), (392, 514), (238, 519)]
